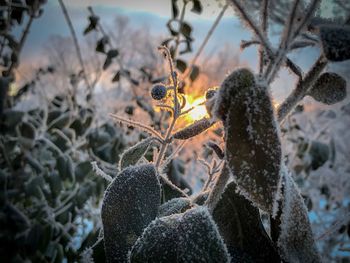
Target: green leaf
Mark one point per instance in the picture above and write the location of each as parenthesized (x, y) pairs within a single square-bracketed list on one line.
[(132, 155), (329, 88), (130, 203), (185, 237), (240, 226), (181, 65)]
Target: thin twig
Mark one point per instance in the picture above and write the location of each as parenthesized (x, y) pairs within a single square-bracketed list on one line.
[(264, 25), (76, 44), (205, 41), (301, 89)]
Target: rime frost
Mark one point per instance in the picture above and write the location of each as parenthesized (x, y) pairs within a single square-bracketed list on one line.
[(174, 206), (189, 237), (253, 150), (130, 203), (296, 241)]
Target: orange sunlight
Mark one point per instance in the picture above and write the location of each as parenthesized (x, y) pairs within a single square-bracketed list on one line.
[(199, 111)]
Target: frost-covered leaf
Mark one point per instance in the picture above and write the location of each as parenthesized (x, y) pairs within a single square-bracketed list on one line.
[(188, 237), (253, 148), (329, 88), (133, 154), (170, 191), (242, 230), (130, 203), (335, 42), (296, 242), (174, 206), (193, 129)]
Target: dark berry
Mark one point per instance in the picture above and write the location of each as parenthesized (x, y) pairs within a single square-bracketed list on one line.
[(210, 93), (158, 92)]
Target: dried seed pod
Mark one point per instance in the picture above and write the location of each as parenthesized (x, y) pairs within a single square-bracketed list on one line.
[(194, 129), (253, 148), (329, 88), (130, 203)]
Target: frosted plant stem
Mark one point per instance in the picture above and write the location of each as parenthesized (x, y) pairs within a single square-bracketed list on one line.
[(275, 65), (176, 107), (246, 17), (289, 36), (218, 188), (182, 16), (264, 25), (76, 44), (301, 89)]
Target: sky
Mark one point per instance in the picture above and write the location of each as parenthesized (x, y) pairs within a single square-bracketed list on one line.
[(153, 14)]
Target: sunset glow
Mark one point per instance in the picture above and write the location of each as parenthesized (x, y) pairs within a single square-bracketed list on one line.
[(199, 110)]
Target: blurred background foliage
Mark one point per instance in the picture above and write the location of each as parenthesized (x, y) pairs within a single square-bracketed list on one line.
[(54, 122)]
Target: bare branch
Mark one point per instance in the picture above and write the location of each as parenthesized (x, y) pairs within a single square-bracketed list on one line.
[(76, 44)]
